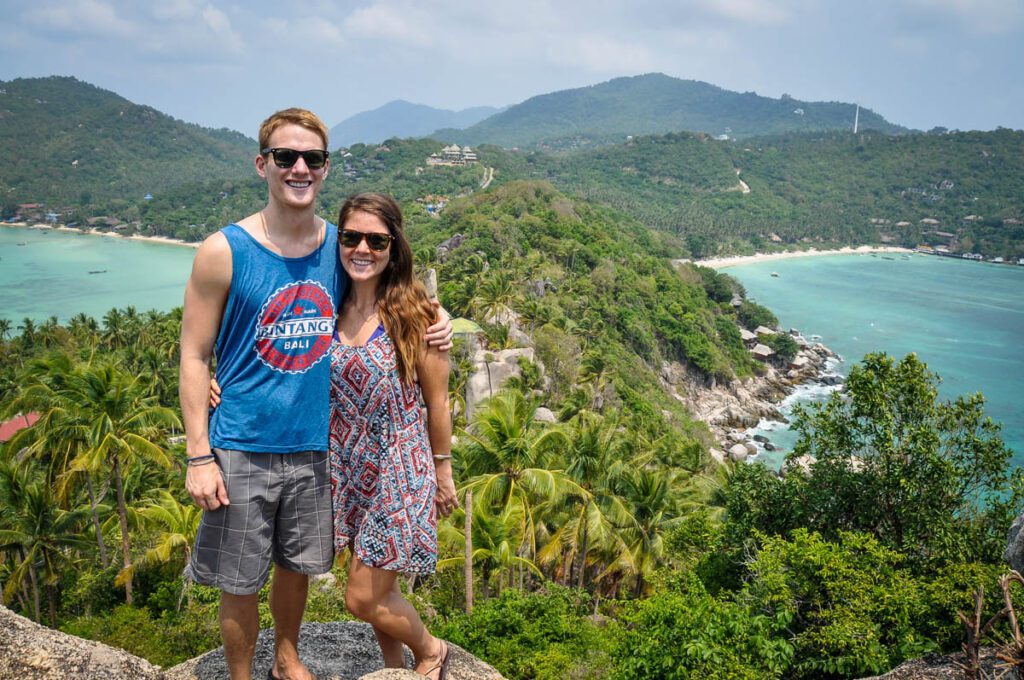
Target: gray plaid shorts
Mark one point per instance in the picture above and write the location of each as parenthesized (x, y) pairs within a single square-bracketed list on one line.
[(280, 510)]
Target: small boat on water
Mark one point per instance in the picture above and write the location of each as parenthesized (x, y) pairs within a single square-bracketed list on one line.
[(775, 274), (98, 271), (886, 257), (22, 244), (905, 257)]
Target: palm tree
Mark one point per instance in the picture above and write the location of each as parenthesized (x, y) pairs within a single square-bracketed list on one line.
[(28, 333), (83, 327), (495, 296), (158, 377), (38, 534), (596, 462), (60, 435), (594, 372), (497, 541), (652, 503), (115, 335), (5, 328), (510, 458), (121, 422), (177, 524), (508, 455)]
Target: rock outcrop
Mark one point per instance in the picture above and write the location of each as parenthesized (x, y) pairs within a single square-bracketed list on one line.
[(34, 652), (1014, 554), (490, 370), (731, 409), (333, 651), (939, 667)]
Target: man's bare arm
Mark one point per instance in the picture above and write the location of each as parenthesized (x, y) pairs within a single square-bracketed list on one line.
[(205, 298)]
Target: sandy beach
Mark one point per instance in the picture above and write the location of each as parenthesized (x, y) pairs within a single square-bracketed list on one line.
[(722, 262), (109, 234)]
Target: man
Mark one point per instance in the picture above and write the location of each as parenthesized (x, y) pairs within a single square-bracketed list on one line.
[(264, 292)]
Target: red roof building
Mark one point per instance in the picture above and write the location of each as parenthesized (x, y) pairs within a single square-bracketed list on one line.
[(18, 422)]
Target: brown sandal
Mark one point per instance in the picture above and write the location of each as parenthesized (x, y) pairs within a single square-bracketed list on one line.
[(443, 664)]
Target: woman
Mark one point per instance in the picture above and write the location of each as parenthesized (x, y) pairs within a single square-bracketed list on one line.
[(391, 472)]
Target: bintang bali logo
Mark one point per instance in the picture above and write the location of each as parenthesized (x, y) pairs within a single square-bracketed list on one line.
[(295, 327)]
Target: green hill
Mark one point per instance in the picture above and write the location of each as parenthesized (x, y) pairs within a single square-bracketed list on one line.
[(651, 104), (71, 143)]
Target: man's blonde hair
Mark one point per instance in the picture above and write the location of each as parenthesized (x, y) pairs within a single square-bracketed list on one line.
[(294, 116)]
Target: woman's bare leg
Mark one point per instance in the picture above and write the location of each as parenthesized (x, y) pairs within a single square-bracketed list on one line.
[(373, 596), (391, 649)]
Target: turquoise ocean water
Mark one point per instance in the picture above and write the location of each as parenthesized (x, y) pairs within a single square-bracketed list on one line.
[(964, 319), (49, 274)]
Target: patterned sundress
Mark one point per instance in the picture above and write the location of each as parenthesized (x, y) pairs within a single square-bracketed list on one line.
[(382, 469)]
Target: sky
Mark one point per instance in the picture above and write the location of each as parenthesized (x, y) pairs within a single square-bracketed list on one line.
[(230, 63)]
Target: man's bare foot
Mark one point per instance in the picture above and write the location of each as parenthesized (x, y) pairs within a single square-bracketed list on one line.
[(297, 672)]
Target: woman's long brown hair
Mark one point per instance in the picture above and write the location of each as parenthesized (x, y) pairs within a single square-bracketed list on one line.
[(405, 307)]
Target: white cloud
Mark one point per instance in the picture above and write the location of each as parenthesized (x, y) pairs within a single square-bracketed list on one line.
[(220, 26), (90, 18), (399, 23)]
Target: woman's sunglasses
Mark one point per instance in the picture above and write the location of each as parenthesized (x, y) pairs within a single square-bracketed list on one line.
[(286, 158), (377, 242)]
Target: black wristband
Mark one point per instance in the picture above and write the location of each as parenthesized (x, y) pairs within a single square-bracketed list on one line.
[(200, 460)]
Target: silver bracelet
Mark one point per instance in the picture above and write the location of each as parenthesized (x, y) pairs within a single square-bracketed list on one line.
[(442, 456)]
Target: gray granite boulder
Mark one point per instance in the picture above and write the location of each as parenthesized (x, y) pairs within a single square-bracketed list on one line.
[(1014, 554), (34, 652), (344, 650)]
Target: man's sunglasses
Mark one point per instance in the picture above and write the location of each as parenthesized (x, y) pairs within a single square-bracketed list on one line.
[(377, 242), (286, 158)]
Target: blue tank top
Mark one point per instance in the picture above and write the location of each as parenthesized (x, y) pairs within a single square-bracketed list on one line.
[(272, 362)]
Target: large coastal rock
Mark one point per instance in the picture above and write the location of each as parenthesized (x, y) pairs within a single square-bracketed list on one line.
[(332, 651), (34, 652), (741, 404)]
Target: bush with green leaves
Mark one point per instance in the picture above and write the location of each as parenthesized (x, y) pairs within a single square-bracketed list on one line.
[(784, 345), (544, 635), (166, 639), (752, 315), (850, 607), (687, 633)]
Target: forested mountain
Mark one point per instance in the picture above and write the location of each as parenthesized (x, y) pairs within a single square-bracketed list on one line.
[(400, 118), (69, 143), (964, 189), (651, 104), (960, 189)]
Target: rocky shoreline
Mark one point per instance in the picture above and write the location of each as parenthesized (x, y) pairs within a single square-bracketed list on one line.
[(731, 411)]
